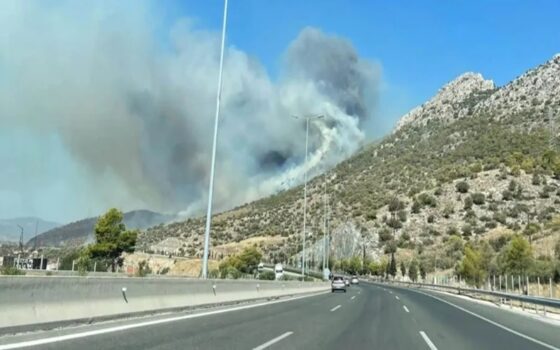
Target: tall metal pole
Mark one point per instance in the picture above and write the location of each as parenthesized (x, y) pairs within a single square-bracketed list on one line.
[(325, 226), (212, 166), (327, 232), (304, 198), (21, 239)]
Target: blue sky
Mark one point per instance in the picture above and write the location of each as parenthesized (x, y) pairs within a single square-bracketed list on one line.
[(47, 171), (421, 45)]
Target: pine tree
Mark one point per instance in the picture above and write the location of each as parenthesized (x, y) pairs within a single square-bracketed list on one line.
[(393, 266)]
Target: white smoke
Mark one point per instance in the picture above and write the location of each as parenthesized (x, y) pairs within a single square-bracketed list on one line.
[(140, 117)]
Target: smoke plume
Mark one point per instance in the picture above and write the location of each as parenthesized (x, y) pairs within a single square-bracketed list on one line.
[(138, 115)]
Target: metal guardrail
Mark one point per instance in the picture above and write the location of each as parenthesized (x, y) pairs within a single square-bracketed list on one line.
[(518, 297)]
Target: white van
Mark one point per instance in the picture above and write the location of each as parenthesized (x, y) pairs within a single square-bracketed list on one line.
[(278, 271)]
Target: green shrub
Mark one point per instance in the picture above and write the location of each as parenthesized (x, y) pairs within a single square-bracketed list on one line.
[(402, 215), (143, 269), (462, 187), (11, 271), (415, 208), (468, 202), (452, 231), (478, 198), (267, 275)]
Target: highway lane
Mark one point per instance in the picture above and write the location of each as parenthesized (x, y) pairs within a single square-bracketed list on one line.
[(366, 317)]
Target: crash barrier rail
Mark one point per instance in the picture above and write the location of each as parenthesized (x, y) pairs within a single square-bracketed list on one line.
[(28, 303), (541, 301)]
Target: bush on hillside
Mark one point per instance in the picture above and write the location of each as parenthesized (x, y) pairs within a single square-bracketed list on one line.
[(462, 187), (478, 198)]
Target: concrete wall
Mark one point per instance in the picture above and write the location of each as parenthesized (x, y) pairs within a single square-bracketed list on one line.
[(35, 300)]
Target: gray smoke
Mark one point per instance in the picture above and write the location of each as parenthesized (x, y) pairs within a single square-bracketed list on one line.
[(139, 116)]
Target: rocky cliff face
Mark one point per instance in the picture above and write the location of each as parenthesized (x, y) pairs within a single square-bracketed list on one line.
[(534, 94), (451, 101)]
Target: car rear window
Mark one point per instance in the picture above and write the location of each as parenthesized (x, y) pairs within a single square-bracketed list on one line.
[(337, 278)]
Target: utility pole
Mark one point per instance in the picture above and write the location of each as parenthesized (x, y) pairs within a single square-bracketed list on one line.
[(214, 144), (307, 118), (21, 239), (36, 229)]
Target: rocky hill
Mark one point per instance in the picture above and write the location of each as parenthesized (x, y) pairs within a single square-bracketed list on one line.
[(474, 161), (80, 232)]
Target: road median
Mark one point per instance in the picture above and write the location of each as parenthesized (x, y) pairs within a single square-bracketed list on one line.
[(48, 302)]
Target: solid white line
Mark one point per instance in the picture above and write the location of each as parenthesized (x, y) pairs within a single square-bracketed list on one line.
[(333, 309), (353, 297), (405, 308), (141, 324), (272, 341), (396, 297), (428, 341), (493, 322)]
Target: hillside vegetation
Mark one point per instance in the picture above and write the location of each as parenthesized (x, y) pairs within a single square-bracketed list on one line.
[(475, 163)]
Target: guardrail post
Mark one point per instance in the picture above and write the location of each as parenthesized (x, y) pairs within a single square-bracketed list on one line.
[(550, 287), (493, 282), (95, 266), (73, 263)]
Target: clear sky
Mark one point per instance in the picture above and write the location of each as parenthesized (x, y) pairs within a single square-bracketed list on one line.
[(66, 67), (421, 45)]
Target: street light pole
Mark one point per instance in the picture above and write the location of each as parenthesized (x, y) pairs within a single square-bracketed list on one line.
[(307, 118), (214, 143), (325, 225), (304, 199)]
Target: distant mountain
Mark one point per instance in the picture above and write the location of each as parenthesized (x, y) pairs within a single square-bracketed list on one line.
[(10, 232), (80, 232)]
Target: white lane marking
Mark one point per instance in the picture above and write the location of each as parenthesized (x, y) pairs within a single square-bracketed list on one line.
[(428, 341), (333, 309), (546, 345), (390, 292), (396, 297), (353, 297), (272, 341), (405, 308), (141, 324)]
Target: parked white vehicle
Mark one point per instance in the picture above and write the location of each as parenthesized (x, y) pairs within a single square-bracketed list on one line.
[(278, 271)]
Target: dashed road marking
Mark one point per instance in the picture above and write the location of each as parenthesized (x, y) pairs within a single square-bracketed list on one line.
[(428, 341), (405, 308), (335, 308), (273, 341), (353, 297)]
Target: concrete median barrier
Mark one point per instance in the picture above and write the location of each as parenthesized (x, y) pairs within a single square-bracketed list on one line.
[(44, 302)]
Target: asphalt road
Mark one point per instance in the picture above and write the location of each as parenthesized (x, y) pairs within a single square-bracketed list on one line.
[(366, 317)]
